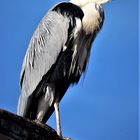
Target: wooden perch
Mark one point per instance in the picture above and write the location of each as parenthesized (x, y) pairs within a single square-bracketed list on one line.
[(18, 128)]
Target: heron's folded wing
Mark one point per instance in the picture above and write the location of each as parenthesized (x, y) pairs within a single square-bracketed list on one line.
[(47, 42)]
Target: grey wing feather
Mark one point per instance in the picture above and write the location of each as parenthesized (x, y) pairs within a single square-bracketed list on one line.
[(46, 43)]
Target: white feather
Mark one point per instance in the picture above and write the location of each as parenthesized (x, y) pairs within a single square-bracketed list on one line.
[(82, 3), (91, 17)]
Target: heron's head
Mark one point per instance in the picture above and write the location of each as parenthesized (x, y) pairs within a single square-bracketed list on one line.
[(82, 3)]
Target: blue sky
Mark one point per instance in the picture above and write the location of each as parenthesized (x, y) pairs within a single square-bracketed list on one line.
[(104, 105)]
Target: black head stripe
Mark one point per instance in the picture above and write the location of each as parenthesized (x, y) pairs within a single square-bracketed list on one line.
[(69, 9)]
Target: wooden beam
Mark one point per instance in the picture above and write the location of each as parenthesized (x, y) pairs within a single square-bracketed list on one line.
[(18, 128)]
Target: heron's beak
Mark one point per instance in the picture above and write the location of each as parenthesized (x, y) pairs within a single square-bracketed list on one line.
[(103, 1)]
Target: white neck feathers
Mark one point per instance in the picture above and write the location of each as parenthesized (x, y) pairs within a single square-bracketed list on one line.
[(82, 3), (92, 18)]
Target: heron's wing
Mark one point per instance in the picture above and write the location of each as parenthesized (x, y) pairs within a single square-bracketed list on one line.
[(53, 33), (44, 48)]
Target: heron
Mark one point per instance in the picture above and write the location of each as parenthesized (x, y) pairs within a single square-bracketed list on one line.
[(57, 56)]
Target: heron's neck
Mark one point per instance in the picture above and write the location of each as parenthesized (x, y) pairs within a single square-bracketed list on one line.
[(92, 18), (82, 3)]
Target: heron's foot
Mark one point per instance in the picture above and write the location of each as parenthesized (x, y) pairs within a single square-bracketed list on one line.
[(39, 123), (67, 139)]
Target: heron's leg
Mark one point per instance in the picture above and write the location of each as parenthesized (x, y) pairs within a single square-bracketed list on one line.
[(45, 102), (58, 125)]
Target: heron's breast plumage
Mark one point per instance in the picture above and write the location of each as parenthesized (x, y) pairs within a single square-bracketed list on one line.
[(92, 17)]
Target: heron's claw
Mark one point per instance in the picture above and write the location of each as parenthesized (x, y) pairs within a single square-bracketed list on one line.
[(39, 123)]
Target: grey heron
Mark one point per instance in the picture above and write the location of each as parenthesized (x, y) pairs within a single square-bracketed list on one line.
[(57, 56)]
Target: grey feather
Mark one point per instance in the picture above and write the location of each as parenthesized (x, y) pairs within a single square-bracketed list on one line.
[(46, 43)]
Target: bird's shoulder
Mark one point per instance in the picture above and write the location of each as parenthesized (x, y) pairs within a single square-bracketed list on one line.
[(69, 9)]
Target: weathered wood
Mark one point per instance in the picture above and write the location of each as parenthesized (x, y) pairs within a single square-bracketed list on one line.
[(20, 128)]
